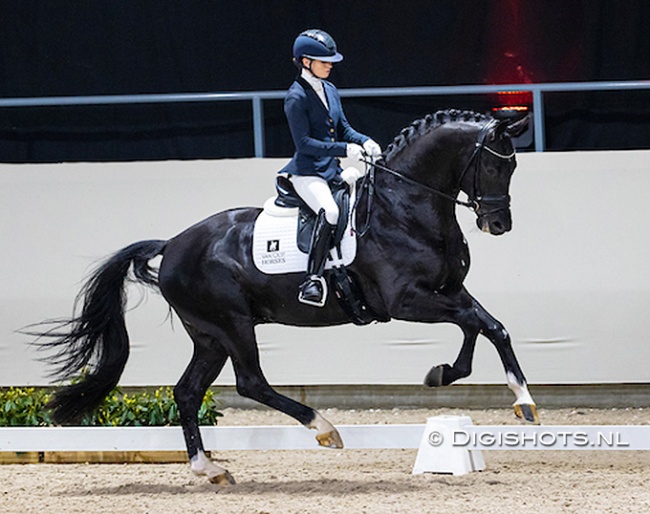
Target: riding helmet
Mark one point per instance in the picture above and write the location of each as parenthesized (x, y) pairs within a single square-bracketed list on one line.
[(315, 44)]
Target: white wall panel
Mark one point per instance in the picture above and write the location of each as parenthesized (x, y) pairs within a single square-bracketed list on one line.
[(571, 282)]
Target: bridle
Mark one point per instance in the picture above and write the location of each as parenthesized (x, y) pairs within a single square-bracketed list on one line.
[(476, 200)]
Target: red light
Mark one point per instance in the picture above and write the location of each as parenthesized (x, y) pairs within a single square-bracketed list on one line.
[(520, 101), (511, 108), (515, 97)]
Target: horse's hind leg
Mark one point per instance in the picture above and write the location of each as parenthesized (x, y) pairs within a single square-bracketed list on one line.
[(238, 337), (206, 364), (251, 383)]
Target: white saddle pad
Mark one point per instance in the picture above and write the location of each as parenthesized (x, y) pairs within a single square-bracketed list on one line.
[(275, 249)]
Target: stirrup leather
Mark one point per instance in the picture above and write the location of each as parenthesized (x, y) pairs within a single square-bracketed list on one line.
[(316, 299)]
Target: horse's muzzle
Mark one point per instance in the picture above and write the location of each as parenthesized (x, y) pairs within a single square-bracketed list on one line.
[(495, 225), (493, 215)]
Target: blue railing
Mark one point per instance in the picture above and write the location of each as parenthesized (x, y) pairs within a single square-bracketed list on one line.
[(257, 98)]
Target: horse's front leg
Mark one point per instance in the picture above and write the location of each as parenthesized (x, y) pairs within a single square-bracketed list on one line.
[(491, 328), (444, 374), (473, 319)]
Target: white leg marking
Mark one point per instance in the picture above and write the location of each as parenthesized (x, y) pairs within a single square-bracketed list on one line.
[(321, 425), (202, 466), (520, 390), (327, 435)]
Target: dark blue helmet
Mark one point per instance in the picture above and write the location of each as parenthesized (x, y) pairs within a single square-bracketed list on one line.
[(315, 44)]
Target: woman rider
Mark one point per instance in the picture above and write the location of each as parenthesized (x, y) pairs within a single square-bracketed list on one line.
[(321, 134)]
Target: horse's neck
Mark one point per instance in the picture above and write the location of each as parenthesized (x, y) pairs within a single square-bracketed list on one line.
[(410, 209), (424, 205), (412, 234), (435, 158)]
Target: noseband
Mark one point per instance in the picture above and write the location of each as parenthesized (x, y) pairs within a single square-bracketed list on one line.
[(476, 200)]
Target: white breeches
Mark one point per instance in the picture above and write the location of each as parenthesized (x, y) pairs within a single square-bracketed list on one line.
[(316, 193)]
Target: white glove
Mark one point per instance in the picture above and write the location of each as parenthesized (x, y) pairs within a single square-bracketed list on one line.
[(351, 175), (355, 152), (372, 149)]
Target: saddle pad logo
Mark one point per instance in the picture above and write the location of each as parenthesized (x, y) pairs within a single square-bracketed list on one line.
[(273, 255)]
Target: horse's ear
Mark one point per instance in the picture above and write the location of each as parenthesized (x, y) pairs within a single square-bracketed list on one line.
[(513, 128), (516, 128)]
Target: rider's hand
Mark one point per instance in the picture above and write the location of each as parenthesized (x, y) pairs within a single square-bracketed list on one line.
[(351, 175), (372, 149), (355, 152)]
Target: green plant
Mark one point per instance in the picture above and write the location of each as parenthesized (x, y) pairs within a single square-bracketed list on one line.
[(26, 407)]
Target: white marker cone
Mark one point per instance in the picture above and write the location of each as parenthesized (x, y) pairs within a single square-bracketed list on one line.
[(438, 454)]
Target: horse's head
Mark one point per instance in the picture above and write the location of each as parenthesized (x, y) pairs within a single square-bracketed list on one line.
[(487, 173), (452, 150)]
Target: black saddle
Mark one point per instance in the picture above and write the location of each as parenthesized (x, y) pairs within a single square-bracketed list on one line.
[(287, 197)]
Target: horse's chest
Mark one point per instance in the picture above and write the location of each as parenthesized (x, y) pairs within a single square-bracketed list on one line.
[(426, 266)]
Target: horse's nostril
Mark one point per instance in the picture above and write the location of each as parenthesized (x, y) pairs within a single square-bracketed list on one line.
[(497, 228)]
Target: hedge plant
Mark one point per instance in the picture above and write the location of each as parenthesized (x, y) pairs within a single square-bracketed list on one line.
[(26, 407)]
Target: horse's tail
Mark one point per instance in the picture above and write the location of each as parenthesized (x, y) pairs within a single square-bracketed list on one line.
[(93, 347)]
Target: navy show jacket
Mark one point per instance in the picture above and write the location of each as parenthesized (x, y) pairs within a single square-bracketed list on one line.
[(320, 135)]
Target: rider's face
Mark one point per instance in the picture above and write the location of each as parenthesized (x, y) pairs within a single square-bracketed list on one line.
[(319, 69)]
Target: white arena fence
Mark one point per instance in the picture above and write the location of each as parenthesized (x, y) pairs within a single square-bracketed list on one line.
[(483, 437)]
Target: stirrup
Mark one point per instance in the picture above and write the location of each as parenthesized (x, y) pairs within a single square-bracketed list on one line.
[(314, 301)]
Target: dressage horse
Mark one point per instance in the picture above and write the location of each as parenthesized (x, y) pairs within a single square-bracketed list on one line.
[(410, 265)]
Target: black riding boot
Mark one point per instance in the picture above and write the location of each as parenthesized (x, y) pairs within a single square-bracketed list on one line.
[(313, 291)]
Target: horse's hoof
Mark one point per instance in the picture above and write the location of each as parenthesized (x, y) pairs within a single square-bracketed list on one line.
[(330, 439), (435, 376), (527, 412), (223, 479)]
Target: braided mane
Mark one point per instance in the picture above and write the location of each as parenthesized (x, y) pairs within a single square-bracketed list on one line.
[(422, 126)]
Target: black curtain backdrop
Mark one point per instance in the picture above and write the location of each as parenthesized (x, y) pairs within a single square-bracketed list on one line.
[(62, 48)]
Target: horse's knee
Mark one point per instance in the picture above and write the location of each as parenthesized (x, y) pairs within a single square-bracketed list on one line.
[(496, 332)]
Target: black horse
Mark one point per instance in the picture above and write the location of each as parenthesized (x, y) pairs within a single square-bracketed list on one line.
[(410, 265)]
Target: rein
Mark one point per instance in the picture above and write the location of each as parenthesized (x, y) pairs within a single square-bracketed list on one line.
[(473, 203), (401, 176)]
